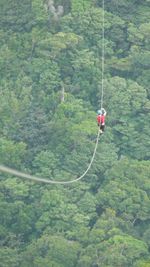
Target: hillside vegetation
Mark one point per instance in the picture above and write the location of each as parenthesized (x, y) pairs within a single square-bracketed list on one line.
[(50, 91)]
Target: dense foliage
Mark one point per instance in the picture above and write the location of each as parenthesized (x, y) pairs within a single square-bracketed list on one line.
[(50, 90)]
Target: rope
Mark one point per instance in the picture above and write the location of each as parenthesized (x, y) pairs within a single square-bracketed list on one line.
[(46, 181), (103, 51)]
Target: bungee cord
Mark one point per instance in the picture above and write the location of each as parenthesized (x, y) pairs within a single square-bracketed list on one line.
[(48, 181), (103, 51)]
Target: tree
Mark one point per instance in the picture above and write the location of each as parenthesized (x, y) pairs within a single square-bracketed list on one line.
[(129, 191), (9, 257), (51, 250)]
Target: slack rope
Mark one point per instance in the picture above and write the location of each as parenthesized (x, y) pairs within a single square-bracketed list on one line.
[(46, 181)]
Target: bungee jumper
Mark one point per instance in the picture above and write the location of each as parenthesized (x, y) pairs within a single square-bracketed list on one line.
[(101, 114)]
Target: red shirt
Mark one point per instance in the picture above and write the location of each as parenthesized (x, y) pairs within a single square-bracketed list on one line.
[(101, 119)]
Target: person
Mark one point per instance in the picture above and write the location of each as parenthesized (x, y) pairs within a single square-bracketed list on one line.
[(101, 119)]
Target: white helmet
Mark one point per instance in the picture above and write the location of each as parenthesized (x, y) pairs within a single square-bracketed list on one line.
[(99, 112)]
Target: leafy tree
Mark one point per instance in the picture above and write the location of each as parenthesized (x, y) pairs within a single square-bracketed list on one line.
[(9, 257), (51, 250), (11, 153), (129, 191), (80, 6), (18, 12)]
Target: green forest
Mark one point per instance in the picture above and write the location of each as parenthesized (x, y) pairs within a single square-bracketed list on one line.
[(50, 91)]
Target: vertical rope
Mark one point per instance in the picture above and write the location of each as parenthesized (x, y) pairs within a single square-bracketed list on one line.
[(103, 50)]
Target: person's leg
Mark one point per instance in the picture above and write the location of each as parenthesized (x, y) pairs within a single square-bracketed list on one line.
[(100, 129), (103, 127)]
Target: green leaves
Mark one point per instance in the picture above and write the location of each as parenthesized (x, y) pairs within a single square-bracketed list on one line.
[(11, 153), (52, 249), (129, 191), (51, 79), (40, 15), (80, 6), (20, 13), (9, 257)]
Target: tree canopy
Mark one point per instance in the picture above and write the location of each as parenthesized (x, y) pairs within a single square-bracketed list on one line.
[(50, 91)]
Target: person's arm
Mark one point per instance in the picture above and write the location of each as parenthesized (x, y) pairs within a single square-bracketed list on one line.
[(104, 111)]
